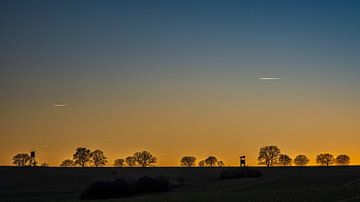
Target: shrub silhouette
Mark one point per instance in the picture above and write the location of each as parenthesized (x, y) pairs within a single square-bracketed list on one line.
[(121, 188), (235, 173), (67, 163), (130, 161), (108, 189), (119, 163), (152, 184)]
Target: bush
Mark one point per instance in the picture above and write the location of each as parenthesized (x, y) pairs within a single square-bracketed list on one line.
[(151, 184), (121, 188), (108, 189), (239, 173)]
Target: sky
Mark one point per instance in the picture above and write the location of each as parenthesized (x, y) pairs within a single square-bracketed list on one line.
[(177, 78)]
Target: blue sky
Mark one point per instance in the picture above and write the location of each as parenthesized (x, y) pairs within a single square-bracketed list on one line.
[(150, 54)]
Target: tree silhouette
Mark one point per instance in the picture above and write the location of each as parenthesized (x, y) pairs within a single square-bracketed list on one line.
[(145, 158), (188, 161), (220, 163), (21, 159), (325, 159), (67, 163), (284, 160), (342, 160), (301, 160), (130, 161), (82, 156), (119, 163), (211, 161), (202, 163), (98, 158), (268, 155)]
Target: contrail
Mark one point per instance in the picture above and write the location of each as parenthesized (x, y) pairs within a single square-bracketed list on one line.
[(269, 78), (60, 105)]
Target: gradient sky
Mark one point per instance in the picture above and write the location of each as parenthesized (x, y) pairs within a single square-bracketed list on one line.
[(179, 78)]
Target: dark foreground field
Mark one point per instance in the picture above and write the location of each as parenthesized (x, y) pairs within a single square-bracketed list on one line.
[(276, 184)]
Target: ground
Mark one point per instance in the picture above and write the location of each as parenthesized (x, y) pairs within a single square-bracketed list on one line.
[(276, 184)]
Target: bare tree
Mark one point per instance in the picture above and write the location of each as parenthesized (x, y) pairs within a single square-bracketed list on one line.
[(145, 158), (342, 160), (130, 161), (202, 163), (67, 163), (301, 160), (82, 156), (22, 159), (98, 158), (220, 163), (268, 155), (211, 161), (325, 159), (284, 160), (188, 161), (119, 163)]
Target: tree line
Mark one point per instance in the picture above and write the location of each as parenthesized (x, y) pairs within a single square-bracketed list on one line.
[(83, 157), (268, 156), (271, 156)]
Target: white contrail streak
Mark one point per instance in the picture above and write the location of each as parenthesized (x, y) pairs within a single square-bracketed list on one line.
[(269, 78), (60, 105)]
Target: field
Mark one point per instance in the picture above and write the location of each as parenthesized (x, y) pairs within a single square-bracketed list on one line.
[(276, 184)]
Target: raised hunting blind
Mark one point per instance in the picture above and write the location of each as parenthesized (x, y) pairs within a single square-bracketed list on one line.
[(242, 161), (32, 158)]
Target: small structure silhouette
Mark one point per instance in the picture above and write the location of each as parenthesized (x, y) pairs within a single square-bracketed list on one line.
[(242, 161), (32, 158)]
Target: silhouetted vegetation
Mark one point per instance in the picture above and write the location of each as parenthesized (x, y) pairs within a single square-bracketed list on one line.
[(211, 161), (120, 188), (284, 160), (220, 163), (82, 156), (301, 160), (21, 160), (119, 163), (67, 163), (233, 173), (152, 184), (188, 161), (342, 160), (98, 158), (130, 161), (269, 155), (145, 159), (325, 159)]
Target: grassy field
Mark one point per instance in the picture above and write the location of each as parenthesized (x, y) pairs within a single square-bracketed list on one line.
[(276, 184)]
